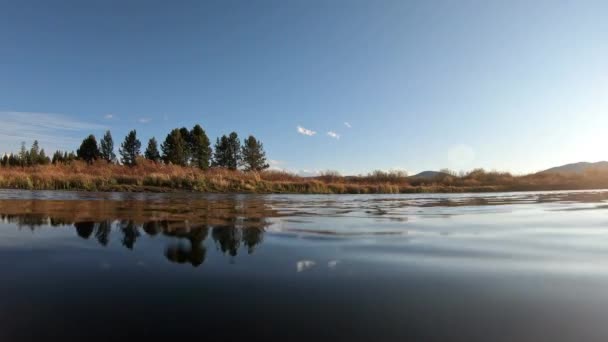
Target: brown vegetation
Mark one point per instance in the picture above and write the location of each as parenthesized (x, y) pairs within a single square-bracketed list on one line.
[(150, 176)]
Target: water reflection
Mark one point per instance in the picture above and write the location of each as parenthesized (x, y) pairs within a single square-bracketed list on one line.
[(380, 268), (193, 254), (230, 224)]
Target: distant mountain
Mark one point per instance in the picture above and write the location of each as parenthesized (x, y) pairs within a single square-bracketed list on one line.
[(429, 175), (578, 167)]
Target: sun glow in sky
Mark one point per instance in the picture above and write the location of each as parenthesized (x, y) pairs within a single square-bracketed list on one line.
[(345, 85)]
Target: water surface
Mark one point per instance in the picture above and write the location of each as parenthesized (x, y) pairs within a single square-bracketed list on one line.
[(483, 267)]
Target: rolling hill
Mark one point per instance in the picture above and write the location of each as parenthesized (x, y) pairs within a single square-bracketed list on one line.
[(578, 167), (427, 175)]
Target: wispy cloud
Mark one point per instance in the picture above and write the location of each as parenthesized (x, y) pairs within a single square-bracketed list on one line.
[(348, 125), (305, 131), (108, 116), (144, 120), (333, 134), (51, 130)]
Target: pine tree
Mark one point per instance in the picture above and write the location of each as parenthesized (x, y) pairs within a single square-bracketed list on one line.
[(34, 155), (57, 157), (174, 148), (234, 151), (88, 150), (200, 147), (227, 152), (42, 158), (23, 154), (254, 157), (130, 149), (71, 157), (106, 147), (13, 160), (188, 146), (152, 150), (219, 152)]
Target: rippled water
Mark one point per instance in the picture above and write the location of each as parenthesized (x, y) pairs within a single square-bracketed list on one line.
[(484, 267)]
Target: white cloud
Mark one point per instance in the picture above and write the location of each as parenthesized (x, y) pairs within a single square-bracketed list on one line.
[(333, 134), (304, 265), (53, 131), (144, 120), (308, 173), (347, 125), (276, 164), (305, 131), (108, 116)]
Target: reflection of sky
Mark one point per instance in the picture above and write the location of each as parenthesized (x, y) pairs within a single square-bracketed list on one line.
[(520, 267)]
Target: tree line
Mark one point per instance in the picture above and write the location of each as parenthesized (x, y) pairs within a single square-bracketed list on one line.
[(34, 156), (182, 147)]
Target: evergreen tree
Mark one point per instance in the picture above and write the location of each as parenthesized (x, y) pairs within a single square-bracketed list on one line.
[(219, 152), (106, 147), (88, 150), (174, 148), (254, 157), (188, 146), (130, 149), (200, 147), (23, 154), (70, 157), (227, 152), (5, 160), (57, 157), (34, 155), (42, 158), (152, 150), (12, 160)]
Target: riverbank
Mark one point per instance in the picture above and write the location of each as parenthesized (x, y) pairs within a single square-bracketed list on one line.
[(152, 177)]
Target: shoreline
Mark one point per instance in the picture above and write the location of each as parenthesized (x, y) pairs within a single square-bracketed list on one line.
[(160, 178), (330, 189)]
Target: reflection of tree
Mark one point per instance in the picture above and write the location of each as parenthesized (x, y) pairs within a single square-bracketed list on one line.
[(84, 229), (228, 238), (57, 221), (194, 254), (130, 233), (228, 231), (152, 228), (103, 232), (252, 237), (26, 220)]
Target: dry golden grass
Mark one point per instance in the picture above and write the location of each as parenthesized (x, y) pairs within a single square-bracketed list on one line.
[(149, 176)]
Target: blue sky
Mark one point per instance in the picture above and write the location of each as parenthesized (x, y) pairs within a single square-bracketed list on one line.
[(507, 85)]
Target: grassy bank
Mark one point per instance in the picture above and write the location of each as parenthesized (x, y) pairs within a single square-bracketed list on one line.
[(148, 176)]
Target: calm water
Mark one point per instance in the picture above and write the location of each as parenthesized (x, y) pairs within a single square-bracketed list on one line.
[(500, 267)]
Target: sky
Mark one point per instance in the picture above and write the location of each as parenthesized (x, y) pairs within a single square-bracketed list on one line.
[(345, 85)]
